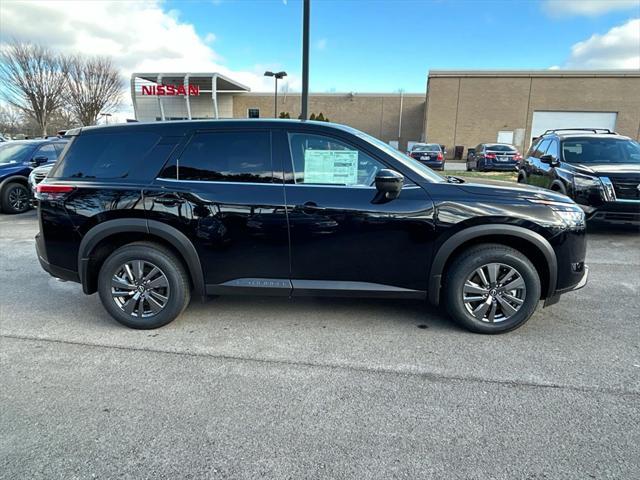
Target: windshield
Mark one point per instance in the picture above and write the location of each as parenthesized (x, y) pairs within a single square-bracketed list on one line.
[(501, 148), (600, 150), (14, 152), (427, 148), (407, 161)]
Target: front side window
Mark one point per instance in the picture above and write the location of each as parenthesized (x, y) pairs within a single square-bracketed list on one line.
[(541, 148), (553, 149), (224, 157), (322, 160), (47, 151)]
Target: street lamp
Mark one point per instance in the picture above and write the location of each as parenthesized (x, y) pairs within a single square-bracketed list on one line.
[(276, 76), (106, 117)]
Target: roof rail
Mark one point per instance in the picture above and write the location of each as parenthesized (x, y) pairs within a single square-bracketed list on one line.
[(594, 130)]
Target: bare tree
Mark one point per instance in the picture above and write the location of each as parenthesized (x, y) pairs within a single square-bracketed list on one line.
[(95, 86), (11, 120), (33, 79)]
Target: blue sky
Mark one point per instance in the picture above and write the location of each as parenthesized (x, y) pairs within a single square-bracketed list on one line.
[(387, 45)]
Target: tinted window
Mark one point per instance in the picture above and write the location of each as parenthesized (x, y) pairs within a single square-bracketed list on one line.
[(48, 151), (225, 156), (253, 113), (600, 150), (541, 148), (553, 149), (501, 148), (427, 148), (318, 159), (108, 155)]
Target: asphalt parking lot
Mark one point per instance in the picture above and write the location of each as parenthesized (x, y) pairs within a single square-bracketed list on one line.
[(317, 388)]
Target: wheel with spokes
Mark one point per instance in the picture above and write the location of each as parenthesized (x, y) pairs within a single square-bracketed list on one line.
[(492, 288), (143, 285), (15, 198)]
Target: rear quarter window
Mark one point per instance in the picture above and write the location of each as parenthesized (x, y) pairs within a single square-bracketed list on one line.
[(111, 155)]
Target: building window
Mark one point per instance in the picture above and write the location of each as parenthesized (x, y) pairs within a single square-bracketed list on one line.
[(253, 113)]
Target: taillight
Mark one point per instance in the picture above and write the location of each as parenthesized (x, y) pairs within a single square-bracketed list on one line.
[(491, 156), (440, 156), (45, 188), (517, 156)]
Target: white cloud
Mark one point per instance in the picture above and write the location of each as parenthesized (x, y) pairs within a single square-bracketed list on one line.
[(618, 48), (560, 8), (321, 44), (139, 36)]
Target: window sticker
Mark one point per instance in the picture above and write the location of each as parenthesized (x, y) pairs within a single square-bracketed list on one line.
[(331, 167)]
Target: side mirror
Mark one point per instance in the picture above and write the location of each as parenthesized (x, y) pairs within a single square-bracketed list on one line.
[(37, 161), (389, 184), (549, 160)]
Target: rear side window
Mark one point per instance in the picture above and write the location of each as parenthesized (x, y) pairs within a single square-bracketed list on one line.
[(224, 157), (108, 155)]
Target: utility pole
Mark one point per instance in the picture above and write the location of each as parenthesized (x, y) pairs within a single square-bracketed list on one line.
[(305, 58)]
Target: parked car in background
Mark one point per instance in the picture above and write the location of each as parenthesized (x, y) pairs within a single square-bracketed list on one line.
[(493, 156), (37, 175), (597, 168), (429, 154), (17, 159), (147, 214)]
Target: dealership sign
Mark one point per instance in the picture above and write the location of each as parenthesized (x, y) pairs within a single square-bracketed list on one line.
[(171, 90)]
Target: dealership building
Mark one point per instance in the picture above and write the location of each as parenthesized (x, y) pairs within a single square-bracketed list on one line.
[(460, 109)]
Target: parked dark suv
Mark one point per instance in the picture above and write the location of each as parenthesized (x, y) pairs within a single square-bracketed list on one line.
[(17, 159), (597, 168), (493, 156), (146, 214)]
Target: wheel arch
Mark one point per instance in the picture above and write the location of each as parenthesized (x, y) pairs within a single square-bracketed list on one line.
[(528, 242), (98, 243), (14, 179)]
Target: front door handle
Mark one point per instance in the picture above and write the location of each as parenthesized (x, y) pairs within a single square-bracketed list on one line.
[(310, 207)]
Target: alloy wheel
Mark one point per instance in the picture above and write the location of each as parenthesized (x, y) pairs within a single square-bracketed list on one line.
[(494, 292), (18, 199), (140, 288)]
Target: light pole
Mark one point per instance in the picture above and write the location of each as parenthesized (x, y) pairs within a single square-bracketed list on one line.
[(276, 76), (106, 117)]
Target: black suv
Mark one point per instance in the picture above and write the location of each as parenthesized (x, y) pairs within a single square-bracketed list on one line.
[(147, 214), (597, 168)]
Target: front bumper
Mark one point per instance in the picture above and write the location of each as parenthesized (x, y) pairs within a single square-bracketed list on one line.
[(616, 213), (556, 296)]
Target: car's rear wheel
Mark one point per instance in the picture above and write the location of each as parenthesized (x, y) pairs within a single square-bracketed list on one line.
[(143, 285), (15, 198), (492, 288)]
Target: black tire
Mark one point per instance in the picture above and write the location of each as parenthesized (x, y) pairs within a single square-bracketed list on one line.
[(522, 178), (559, 187), (15, 198), (174, 275), (474, 258)]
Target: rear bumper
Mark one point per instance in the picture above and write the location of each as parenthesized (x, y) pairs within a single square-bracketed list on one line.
[(433, 165), (54, 271)]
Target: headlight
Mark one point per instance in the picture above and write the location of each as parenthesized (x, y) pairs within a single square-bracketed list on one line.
[(602, 185), (572, 218), (570, 214)]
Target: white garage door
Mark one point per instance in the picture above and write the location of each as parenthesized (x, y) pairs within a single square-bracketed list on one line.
[(543, 121)]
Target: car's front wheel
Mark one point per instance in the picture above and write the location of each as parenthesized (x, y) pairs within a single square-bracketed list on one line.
[(492, 288), (15, 198), (143, 285)]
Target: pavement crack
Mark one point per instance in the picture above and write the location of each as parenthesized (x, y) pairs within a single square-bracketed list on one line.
[(432, 376)]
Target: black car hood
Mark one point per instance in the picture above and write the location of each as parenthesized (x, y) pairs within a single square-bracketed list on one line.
[(481, 186), (606, 168)]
